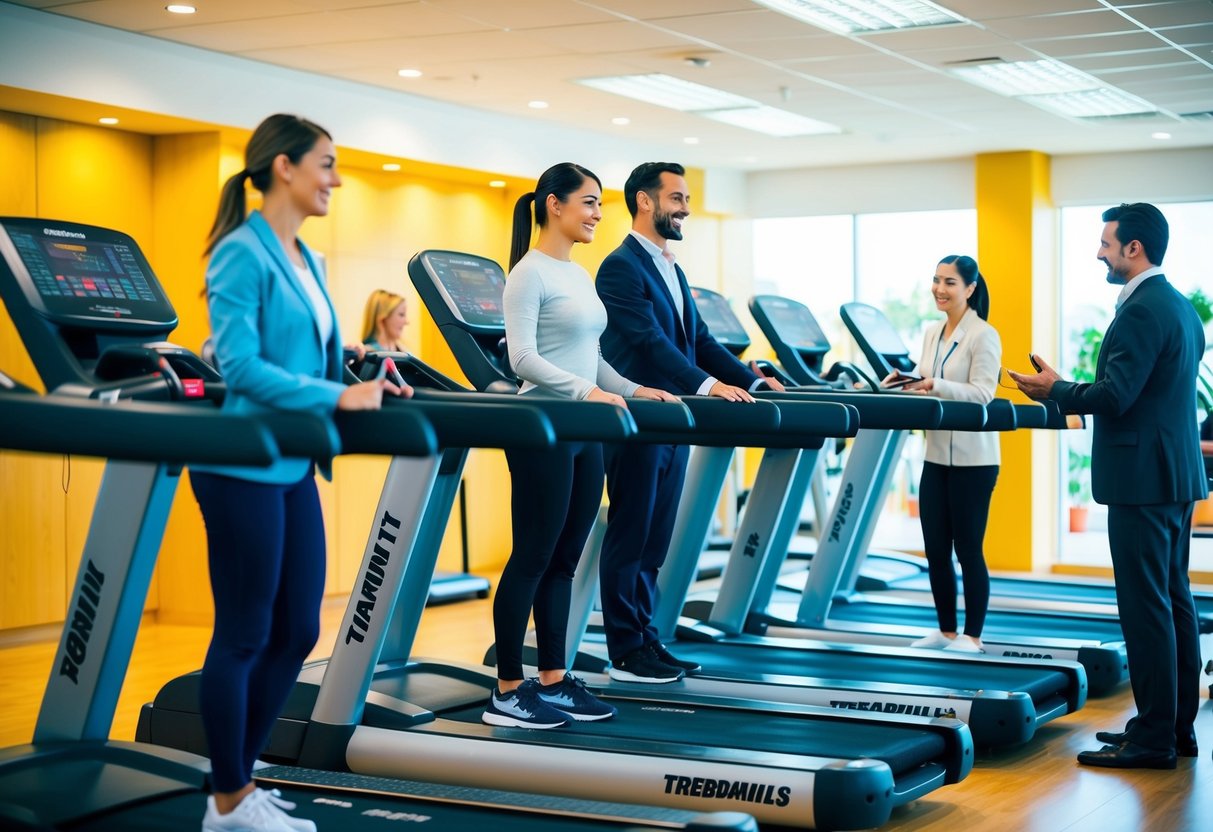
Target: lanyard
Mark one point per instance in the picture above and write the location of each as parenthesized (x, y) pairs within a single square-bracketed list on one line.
[(939, 365)]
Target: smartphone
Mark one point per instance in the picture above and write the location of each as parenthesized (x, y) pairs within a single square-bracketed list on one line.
[(902, 380), (1035, 363)]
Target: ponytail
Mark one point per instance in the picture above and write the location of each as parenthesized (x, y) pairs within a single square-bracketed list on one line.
[(966, 267), (559, 180), (521, 240), (278, 135)]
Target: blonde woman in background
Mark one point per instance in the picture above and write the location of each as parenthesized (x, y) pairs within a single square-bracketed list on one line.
[(383, 321)]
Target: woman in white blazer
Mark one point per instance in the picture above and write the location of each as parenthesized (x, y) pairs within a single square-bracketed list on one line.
[(960, 360)]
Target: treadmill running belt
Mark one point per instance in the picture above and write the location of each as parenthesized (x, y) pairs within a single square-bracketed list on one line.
[(997, 622), (743, 661), (902, 748)]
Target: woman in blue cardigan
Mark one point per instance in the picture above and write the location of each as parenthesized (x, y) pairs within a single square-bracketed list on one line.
[(277, 344)]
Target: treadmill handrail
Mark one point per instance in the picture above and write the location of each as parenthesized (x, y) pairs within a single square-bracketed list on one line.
[(813, 417), (138, 431), (493, 421), (572, 421), (962, 415), (397, 430), (881, 411), (1001, 415)]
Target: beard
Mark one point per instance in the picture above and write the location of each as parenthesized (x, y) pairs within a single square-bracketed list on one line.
[(1114, 276), (663, 223)]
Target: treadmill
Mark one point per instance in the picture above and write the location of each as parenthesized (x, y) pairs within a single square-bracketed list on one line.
[(89, 309), (378, 711), (1006, 591), (830, 601), (1002, 700)]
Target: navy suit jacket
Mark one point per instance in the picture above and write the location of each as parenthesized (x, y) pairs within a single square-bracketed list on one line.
[(1145, 449), (644, 339)]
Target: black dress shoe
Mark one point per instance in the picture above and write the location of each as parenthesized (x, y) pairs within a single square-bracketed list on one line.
[(1185, 743), (1128, 755)]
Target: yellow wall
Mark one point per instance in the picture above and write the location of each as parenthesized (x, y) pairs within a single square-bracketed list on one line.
[(1015, 217), (163, 191)]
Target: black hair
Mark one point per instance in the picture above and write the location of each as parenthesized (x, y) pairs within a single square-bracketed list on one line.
[(647, 178), (279, 134), (1143, 222), (558, 180), (966, 267)]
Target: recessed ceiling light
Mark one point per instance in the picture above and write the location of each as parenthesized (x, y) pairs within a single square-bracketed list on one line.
[(497, 183), (691, 140), (409, 73), (108, 120), (1027, 77), (1160, 135), (537, 105), (621, 120), (391, 166), (850, 16), (179, 8), (772, 121), (1091, 103), (668, 91)]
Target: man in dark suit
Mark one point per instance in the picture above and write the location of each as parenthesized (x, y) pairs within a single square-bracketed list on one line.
[(1146, 466), (654, 336)]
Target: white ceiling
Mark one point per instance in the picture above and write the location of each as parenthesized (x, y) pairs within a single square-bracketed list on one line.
[(890, 92)]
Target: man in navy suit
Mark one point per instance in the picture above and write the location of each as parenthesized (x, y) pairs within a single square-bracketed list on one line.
[(655, 337), (1146, 466)]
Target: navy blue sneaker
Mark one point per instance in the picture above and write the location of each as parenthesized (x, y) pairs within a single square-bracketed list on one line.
[(570, 696), (666, 657), (522, 708), (642, 666)]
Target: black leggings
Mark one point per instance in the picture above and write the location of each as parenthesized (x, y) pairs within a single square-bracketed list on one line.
[(555, 498), (265, 546), (954, 505)]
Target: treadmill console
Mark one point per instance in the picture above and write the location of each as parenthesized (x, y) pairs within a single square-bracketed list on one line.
[(471, 286), (877, 338), (795, 324), (720, 320), (83, 276)]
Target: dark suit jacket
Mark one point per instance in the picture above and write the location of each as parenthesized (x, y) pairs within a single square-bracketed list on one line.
[(644, 340), (1145, 449)]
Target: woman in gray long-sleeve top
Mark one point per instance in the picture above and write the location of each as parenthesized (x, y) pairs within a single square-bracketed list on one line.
[(553, 319)]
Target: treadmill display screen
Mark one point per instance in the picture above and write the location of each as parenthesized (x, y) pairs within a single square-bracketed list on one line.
[(872, 326), (796, 325), (78, 273), (719, 318), (472, 286)]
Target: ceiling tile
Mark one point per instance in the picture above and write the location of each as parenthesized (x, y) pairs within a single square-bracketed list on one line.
[(935, 37), (755, 24), (985, 10), (1183, 13), (1189, 35), (532, 14), (1129, 60), (1061, 25), (650, 9), (1095, 44), (620, 36)]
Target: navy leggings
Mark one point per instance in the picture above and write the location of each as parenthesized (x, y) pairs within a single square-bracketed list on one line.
[(265, 544), (954, 506), (555, 498)]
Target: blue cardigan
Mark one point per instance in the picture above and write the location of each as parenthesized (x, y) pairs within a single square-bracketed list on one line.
[(267, 340)]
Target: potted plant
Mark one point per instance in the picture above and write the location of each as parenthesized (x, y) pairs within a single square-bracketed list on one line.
[(1089, 341)]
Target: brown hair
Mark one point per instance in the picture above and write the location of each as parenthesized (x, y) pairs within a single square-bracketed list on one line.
[(279, 134)]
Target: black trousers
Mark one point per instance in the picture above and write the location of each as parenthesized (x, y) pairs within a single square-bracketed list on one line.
[(555, 498), (954, 507), (1150, 549), (644, 484)]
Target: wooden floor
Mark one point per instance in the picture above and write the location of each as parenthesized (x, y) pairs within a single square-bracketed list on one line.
[(1037, 787)]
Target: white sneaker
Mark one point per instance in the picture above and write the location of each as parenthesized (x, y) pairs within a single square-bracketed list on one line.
[(935, 641), (277, 803), (253, 814), (965, 644)]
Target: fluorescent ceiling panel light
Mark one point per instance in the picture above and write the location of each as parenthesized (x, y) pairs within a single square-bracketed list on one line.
[(1091, 103), (772, 121), (1028, 77), (668, 91), (851, 16)]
